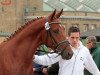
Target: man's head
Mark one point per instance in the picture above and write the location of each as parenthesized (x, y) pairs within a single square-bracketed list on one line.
[(74, 36), (91, 42)]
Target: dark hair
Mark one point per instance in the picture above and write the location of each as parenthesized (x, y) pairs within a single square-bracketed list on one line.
[(73, 29)]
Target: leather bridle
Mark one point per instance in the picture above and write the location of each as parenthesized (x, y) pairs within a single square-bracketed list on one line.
[(56, 45)]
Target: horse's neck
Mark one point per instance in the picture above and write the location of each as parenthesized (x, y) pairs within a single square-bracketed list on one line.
[(31, 31), (27, 40)]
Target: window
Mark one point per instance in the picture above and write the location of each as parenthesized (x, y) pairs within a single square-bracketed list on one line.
[(93, 26), (86, 27)]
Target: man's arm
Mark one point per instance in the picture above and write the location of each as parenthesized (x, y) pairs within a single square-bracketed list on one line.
[(47, 59)]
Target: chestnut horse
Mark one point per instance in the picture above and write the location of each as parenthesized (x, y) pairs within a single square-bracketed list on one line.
[(16, 53)]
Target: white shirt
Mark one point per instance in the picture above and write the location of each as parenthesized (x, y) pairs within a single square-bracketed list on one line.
[(74, 66)]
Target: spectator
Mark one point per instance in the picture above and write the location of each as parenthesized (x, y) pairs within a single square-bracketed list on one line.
[(94, 50)]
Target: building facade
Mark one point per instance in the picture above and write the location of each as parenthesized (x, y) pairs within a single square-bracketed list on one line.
[(14, 13)]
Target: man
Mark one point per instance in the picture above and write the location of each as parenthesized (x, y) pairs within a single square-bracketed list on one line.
[(80, 59), (94, 50)]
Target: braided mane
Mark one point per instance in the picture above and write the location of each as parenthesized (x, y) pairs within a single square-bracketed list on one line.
[(21, 28)]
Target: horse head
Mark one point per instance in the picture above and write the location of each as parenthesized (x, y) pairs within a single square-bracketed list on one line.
[(16, 53), (54, 36)]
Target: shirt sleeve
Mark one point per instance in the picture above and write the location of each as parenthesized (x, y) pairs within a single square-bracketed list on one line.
[(47, 59), (90, 64)]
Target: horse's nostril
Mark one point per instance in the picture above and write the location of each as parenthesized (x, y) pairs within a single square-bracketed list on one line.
[(70, 55)]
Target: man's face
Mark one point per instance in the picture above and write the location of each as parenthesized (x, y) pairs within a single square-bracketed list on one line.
[(89, 44), (74, 39)]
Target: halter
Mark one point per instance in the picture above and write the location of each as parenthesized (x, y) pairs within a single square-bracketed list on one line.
[(55, 44)]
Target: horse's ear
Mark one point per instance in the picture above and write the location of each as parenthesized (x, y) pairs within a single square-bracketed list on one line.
[(52, 15), (58, 14)]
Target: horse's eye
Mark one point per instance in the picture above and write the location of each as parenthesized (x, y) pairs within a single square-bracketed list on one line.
[(56, 31)]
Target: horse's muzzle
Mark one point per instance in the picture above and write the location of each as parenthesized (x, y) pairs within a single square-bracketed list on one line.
[(67, 55)]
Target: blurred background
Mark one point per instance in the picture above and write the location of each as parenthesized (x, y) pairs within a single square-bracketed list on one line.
[(84, 14)]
